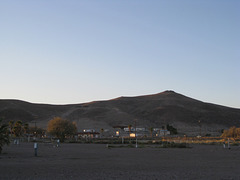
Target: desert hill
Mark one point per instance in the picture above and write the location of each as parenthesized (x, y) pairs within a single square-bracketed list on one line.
[(156, 110)]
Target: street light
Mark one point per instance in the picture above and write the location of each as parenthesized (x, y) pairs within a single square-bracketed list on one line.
[(117, 133)]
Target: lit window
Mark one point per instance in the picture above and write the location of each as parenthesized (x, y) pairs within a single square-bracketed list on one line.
[(132, 135)]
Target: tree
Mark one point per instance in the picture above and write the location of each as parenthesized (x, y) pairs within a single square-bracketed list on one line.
[(61, 128), (26, 128), (171, 129), (232, 132), (36, 131), (11, 124), (18, 128), (4, 137)]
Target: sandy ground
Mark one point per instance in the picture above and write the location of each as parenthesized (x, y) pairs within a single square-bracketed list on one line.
[(95, 161)]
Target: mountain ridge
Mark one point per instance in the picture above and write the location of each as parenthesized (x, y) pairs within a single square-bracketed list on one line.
[(153, 110)]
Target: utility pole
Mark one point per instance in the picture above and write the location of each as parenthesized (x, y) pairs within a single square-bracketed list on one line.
[(35, 127), (136, 131), (165, 127), (35, 122), (200, 127)]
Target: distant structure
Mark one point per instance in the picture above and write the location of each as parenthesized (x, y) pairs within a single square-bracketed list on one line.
[(123, 131)]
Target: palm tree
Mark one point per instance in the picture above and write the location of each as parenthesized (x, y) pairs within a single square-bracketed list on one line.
[(11, 124), (18, 129), (26, 128), (4, 137)]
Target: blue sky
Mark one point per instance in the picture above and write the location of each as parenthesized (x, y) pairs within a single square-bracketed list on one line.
[(61, 52)]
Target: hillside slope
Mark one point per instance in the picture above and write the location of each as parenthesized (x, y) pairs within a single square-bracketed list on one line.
[(156, 110)]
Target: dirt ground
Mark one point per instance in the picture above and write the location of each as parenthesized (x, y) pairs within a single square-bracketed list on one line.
[(95, 161)]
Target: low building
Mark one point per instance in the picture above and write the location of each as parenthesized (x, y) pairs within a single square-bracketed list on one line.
[(89, 130), (88, 134), (162, 132)]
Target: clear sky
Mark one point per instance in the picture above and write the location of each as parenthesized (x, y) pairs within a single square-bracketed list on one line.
[(75, 51)]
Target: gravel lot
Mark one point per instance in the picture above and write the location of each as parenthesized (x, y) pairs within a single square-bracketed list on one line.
[(95, 161)]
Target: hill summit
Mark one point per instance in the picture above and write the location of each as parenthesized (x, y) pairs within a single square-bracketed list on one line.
[(186, 114)]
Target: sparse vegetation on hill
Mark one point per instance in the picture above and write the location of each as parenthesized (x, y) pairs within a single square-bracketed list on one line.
[(155, 111)]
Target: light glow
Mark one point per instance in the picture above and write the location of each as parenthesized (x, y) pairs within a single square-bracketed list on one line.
[(132, 135)]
